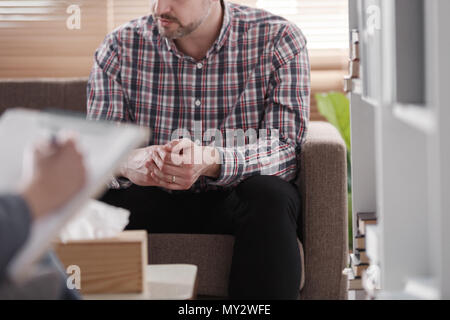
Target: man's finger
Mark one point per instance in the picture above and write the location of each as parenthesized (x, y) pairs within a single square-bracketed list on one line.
[(179, 144), (156, 157), (170, 145), (170, 186), (172, 170), (168, 177), (182, 153)]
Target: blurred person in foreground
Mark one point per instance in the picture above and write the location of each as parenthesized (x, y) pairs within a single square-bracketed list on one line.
[(56, 176)]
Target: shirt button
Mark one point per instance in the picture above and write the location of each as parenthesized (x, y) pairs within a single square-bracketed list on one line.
[(199, 65), (198, 103)]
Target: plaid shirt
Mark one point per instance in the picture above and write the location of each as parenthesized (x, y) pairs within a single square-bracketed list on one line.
[(255, 76)]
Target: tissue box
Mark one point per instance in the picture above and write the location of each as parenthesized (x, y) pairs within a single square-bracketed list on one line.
[(113, 265)]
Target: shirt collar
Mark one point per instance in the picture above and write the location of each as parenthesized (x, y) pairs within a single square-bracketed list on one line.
[(220, 41), (226, 26)]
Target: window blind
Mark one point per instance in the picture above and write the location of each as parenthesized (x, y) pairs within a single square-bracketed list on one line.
[(16, 14), (41, 38), (324, 22), (127, 10)]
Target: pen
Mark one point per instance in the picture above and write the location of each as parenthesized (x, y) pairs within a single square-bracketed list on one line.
[(54, 140)]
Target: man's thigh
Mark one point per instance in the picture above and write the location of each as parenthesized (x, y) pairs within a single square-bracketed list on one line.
[(150, 208), (210, 212), (158, 211)]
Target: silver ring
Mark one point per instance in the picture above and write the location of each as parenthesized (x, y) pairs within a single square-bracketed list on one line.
[(173, 179)]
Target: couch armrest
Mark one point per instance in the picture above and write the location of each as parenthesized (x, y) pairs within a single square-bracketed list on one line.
[(323, 185)]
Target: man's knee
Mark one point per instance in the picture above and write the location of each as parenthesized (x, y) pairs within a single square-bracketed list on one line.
[(270, 187), (272, 195)]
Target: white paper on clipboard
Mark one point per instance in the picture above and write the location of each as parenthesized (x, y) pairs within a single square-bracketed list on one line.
[(104, 145)]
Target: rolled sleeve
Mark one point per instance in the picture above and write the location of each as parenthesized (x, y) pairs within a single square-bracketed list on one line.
[(232, 167), (106, 99)]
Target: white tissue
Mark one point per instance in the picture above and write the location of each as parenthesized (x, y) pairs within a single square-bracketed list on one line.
[(96, 220)]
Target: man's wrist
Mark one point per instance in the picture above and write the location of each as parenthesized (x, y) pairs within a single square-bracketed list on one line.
[(214, 168), (213, 171), (122, 172), (36, 201)]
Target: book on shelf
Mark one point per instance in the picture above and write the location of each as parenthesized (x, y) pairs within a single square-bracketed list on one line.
[(358, 260), (357, 267), (361, 257), (364, 219), (354, 282), (360, 242)]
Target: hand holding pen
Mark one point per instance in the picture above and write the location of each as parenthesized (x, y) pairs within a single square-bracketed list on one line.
[(57, 174)]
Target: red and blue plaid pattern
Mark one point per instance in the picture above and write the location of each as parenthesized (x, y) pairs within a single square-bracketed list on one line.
[(255, 76)]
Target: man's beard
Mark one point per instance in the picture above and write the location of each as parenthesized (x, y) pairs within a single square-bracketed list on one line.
[(179, 32), (182, 30)]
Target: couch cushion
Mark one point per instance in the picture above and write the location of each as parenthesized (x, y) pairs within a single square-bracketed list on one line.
[(210, 253), (66, 94)]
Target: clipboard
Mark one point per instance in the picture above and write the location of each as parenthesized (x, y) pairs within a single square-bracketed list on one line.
[(104, 146)]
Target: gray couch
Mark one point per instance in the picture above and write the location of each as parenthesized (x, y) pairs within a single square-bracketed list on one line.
[(322, 181)]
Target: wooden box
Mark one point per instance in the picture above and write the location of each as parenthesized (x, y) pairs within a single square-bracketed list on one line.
[(113, 265)]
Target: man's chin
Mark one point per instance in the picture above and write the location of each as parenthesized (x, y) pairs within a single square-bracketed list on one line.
[(168, 35), (172, 32), (167, 32), (172, 35), (163, 32)]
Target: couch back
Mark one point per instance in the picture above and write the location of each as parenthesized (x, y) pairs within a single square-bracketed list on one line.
[(66, 94)]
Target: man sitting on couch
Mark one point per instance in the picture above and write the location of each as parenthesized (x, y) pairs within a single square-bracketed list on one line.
[(212, 69)]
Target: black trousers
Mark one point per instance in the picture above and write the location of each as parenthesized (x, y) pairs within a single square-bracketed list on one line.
[(261, 212)]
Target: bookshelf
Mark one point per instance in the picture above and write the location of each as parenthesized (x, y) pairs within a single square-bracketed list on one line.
[(399, 149)]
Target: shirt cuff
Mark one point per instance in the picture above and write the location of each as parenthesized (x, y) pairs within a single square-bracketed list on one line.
[(232, 167)]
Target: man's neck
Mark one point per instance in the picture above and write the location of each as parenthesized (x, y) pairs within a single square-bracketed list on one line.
[(200, 41)]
